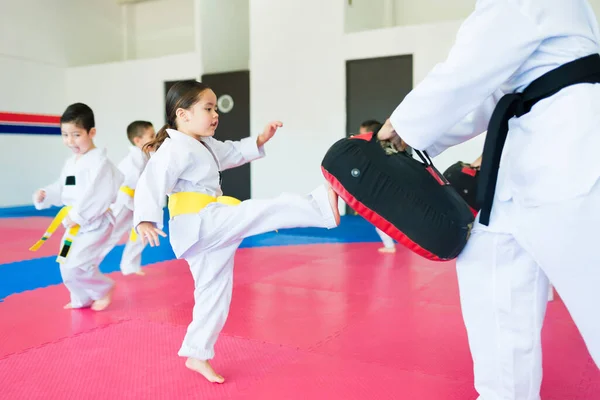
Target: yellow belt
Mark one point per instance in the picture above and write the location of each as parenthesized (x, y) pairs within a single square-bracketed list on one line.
[(127, 190), (130, 192), (67, 242), (192, 202)]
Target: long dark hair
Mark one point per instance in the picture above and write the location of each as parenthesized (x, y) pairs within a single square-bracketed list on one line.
[(183, 94)]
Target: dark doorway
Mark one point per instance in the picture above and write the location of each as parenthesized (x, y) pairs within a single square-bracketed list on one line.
[(374, 88), (233, 98)]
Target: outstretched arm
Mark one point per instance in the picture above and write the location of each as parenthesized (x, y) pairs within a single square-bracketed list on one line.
[(233, 154), (490, 46), (50, 195)]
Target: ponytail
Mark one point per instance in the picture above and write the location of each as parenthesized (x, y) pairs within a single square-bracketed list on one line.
[(155, 143)]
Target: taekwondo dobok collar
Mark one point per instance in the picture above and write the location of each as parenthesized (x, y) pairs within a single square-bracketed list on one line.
[(583, 70), (182, 137)]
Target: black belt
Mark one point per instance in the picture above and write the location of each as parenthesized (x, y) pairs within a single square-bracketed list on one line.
[(583, 70)]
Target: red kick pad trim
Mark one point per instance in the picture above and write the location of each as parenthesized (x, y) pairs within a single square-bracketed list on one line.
[(469, 171), (377, 219), (363, 136)]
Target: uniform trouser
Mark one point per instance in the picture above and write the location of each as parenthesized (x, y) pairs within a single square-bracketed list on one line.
[(131, 260), (503, 279), (211, 260), (79, 270), (388, 242)]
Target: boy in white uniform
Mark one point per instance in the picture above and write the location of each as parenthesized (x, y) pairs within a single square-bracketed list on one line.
[(544, 214), (87, 186), (205, 232), (139, 133)]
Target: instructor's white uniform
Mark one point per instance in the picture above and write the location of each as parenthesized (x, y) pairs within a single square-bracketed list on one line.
[(209, 239), (89, 185), (546, 212), (131, 167)]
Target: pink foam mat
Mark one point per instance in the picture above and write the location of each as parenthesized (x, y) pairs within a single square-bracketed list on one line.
[(306, 322), (17, 235)]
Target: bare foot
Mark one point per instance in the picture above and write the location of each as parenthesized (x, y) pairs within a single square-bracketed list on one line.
[(104, 302), (140, 273), (387, 250), (68, 306), (204, 368), (333, 200)]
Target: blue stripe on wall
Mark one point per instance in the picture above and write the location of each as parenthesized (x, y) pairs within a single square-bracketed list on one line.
[(29, 129)]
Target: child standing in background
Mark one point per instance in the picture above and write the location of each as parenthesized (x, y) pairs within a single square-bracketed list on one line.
[(87, 186), (139, 134)]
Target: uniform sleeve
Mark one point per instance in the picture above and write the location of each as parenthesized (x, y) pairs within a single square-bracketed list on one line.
[(53, 196), (158, 178), (137, 166), (53, 193), (475, 124), (132, 168), (490, 46), (233, 154), (99, 194)]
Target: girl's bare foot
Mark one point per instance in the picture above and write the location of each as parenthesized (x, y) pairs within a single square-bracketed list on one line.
[(68, 306), (204, 368), (333, 200), (387, 250), (104, 302), (140, 273)]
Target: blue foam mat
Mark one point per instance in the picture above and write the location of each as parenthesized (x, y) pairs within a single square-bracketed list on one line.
[(41, 272)]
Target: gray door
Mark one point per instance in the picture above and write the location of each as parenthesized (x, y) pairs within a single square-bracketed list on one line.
[(374, 88), (233, 94)]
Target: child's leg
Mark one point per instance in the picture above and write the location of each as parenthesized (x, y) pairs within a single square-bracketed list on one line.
[(117, 231), (131, 260), (87, 285), (223, 225), (213, 282), (388, 242), (222, 228)]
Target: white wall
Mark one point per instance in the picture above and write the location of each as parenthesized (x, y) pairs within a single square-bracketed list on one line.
[(29, 161), (305, 88), (161, 27), (32, 80), (416, 12), (98, 31), (120, 93), (297, 76), (225, 31), (364, 15), (92, 30)]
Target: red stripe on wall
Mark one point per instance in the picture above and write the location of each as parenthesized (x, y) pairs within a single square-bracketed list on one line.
[(31, 118)]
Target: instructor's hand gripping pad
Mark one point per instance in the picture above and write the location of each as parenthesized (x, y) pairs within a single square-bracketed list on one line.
[(409, 200)]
